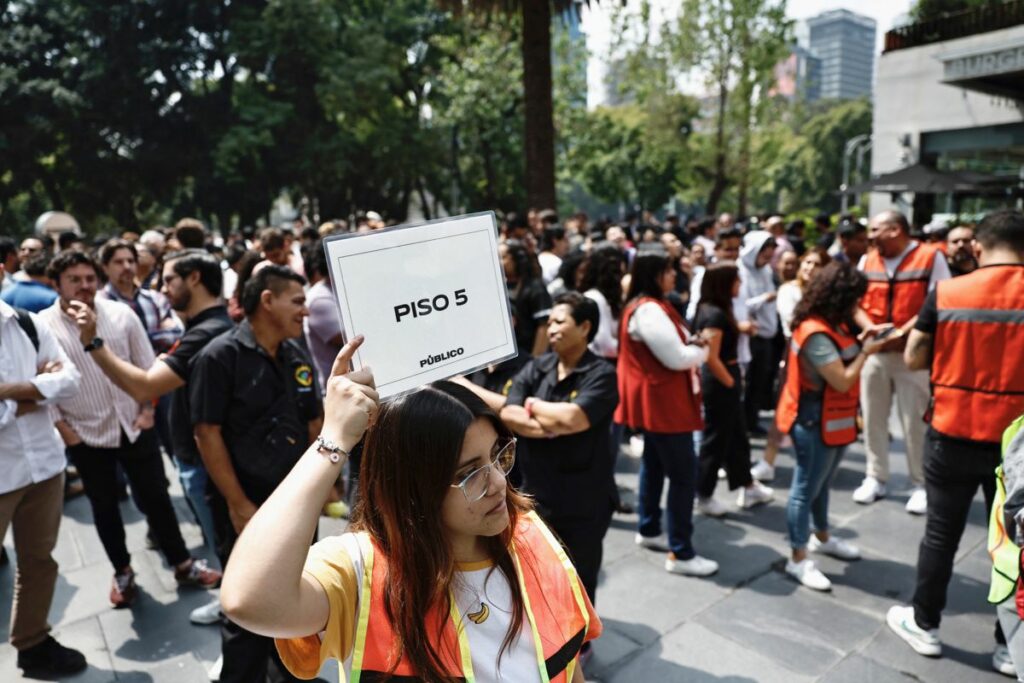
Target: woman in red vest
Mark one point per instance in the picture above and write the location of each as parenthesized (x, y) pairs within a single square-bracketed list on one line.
[(446, 574), (818, 409), (659, 394)]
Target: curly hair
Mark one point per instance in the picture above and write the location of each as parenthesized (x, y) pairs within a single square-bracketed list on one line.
[(831, 295), (603, 272)]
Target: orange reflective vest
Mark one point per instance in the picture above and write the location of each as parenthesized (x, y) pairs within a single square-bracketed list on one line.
[(838, 409), (554, 599), (978, 358), (897, 299)]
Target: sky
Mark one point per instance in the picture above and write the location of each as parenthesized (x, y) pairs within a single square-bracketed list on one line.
[(595, 23)]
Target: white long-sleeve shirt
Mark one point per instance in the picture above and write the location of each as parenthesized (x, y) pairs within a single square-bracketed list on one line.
[(30, 449), (652, 326)]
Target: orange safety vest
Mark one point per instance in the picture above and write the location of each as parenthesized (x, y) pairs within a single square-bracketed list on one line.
[(897, 299), (978, 360), (838, 409), (553, 597)]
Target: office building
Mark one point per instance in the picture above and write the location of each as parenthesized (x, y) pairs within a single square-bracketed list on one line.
[(844, 43)]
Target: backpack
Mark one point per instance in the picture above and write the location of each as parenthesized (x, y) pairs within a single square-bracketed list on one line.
[(27, 326)]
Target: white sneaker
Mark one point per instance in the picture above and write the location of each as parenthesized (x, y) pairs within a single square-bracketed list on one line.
[(659, 542), (207, 614), (900, 619), (214, 672), (836, 547), (755, 494), (869, 491), (918, 503), (636, 446), (695, 566), (806, 573), (762, 471), (709, 507), (1002, 662)]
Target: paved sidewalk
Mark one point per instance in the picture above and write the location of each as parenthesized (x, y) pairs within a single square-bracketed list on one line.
[(750, 623)]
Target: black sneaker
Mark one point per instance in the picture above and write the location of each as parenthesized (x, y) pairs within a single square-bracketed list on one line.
[(50, 659), (4, 559)]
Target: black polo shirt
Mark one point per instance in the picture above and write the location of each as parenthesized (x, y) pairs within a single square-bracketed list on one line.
[(263, 405), (210, 323), (570, 476)]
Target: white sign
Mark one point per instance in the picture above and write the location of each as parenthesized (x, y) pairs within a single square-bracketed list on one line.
[(429, 298)]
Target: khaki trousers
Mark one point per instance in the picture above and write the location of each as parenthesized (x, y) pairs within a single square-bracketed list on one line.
[(34, 513), (885, 374)]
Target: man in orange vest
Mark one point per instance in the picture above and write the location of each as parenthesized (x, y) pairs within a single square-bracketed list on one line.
[(900, 271), (971, 333)]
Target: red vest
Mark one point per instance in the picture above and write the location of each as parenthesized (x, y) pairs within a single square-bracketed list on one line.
[(899, 298), (978, 359), (558, 614), (652, 397), (839, 409)]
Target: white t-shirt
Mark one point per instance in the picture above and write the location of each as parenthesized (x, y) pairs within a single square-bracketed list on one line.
[(940, 268), (606, 342), (549, 265)]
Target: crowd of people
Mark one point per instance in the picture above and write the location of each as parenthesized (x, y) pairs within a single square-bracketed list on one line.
[(667, 340)]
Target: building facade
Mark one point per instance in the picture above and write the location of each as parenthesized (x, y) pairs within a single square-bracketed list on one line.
[(844, 43)]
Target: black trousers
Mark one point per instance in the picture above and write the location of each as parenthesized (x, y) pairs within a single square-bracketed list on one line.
[(142, 464), (584, 541), (248, 657), (953, 471), (724, 442), (764, 366)]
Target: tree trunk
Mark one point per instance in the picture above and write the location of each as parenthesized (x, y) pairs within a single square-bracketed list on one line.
[(720, 181), (538, 107)]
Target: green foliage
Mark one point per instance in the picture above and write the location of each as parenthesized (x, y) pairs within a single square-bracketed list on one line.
[(926, 10)]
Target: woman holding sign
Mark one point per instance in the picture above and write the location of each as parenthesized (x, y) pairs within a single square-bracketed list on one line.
[(448, 573)]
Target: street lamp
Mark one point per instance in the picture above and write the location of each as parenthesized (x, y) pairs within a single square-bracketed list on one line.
[(851, 146)]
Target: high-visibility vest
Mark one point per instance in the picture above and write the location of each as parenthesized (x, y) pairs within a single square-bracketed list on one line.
[(652, 397), (897, 299), (838, 409), (553, 597), (1005, 554), (978, 358)]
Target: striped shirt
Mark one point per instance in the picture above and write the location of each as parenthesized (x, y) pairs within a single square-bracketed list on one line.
[(154, 311), (101, 411)]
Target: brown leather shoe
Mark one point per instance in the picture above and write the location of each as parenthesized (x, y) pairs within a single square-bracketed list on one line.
[(122, 590)]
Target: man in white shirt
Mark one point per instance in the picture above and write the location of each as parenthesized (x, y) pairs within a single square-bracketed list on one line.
[(34, 371), (103, 426)]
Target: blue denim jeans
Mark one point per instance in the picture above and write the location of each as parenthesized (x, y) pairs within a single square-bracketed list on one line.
[(816, 465), (194, 481), (672, 456)]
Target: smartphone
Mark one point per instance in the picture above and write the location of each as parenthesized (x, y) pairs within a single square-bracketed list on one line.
[(886, 333)]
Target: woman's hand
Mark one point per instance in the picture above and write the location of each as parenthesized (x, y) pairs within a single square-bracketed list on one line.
[(351, 400)]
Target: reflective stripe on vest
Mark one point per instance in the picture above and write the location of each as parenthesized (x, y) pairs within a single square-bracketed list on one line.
[(839, 409), (552, 584), (977, 379), (1006, 556), (898, 298)]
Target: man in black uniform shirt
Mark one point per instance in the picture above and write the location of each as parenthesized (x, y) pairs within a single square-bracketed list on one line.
[(255, 409)]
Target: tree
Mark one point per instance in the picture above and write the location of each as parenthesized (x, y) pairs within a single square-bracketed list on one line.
[(926, 10)]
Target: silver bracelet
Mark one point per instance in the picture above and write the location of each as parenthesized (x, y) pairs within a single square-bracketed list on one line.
[(333, 450)]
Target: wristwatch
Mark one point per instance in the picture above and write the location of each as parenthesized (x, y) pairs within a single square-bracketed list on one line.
[(96, 343)]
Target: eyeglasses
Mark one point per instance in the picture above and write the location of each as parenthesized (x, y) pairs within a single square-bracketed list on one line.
[(475, 484)]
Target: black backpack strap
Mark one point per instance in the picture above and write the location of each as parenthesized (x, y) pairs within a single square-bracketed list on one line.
[(27, 325)]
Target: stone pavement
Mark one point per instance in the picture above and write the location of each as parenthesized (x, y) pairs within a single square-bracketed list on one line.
[(750, 623)]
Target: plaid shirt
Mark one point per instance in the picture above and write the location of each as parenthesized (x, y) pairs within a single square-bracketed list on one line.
[(153, 310)]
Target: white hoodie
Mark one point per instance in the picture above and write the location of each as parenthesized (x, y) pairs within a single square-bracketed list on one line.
[(757, 285)]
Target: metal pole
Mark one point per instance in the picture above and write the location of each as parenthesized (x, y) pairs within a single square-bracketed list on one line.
[(851, 146)]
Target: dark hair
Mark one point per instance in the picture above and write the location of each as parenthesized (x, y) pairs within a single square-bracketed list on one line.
[(570, 264), (849, 229), (111, 247), (410, 458), (603, 272), (69, 258), (309, 233), (1002, 228), (271, 238), (704, 225), (235, 253), (272, 277), (66, 239), (831, 295), (250, 259), (716, 288), (517, 221), (7, 247), (728, 234), (551, 235), (823, 219), (525, 269), (189, 261), (190, 233), (315, 261), (549, 216), (795, 227), (645, 275), (36, 264), (583, 309)]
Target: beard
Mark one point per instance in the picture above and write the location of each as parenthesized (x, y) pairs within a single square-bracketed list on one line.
[(181, 302)]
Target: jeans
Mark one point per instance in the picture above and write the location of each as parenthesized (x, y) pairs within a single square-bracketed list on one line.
[(194, 480), (816, 465), (724, 442), (144, 467), (953, 471), (672, 456)]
